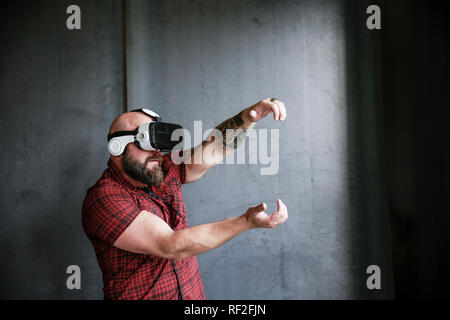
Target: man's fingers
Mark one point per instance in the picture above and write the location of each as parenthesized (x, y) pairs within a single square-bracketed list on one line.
[(252, 115), (278, 109), (267, 106), (263, 206), (260, 218), (260, 207), (282, 110), (275, 109), (284, 209), (280, 215), (281, 207)]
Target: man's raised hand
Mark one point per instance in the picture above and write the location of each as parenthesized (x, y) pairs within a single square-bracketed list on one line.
[(256, 217), (263, 108)]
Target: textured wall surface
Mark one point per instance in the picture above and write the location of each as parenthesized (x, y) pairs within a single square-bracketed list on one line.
[(197, 60), (207, 60), (59, 91)]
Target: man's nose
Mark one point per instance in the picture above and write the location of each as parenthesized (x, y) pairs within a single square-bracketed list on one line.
[(155, 153)]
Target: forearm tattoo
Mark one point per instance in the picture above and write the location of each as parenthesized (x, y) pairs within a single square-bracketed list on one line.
[(232, 133)]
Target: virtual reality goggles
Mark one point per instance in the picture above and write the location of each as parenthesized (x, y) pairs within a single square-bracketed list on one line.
[(149, 136)]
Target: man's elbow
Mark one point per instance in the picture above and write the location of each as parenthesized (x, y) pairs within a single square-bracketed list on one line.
[(173, 254), (172, 248)]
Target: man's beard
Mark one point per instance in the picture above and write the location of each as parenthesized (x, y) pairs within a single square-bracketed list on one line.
[(140, 172)]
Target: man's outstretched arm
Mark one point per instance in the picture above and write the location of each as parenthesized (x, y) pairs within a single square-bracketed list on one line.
[(221, 143), (149, 234)]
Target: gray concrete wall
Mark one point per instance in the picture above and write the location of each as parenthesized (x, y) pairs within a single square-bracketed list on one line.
[(59, 91), (196, 60), (207, 60)]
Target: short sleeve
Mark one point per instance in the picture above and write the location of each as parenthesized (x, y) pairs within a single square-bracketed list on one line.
[(107, 211)]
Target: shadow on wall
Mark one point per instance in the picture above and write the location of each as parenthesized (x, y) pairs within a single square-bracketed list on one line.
[(416, 65), (370, 235)]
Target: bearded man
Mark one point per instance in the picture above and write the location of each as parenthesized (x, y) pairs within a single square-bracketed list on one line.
[(135, 216)]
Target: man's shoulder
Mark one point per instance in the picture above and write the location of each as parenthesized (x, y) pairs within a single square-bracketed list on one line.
[(105, 189)]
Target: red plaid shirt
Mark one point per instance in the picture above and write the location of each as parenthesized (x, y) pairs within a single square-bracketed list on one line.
[(109, 208)]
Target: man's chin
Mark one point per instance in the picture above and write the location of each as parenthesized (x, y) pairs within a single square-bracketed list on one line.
[(155, 172)]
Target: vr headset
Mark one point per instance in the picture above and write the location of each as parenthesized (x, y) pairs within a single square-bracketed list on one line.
[(149, 136)]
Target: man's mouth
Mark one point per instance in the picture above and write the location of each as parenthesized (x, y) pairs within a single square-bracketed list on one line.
[(154, 160)]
